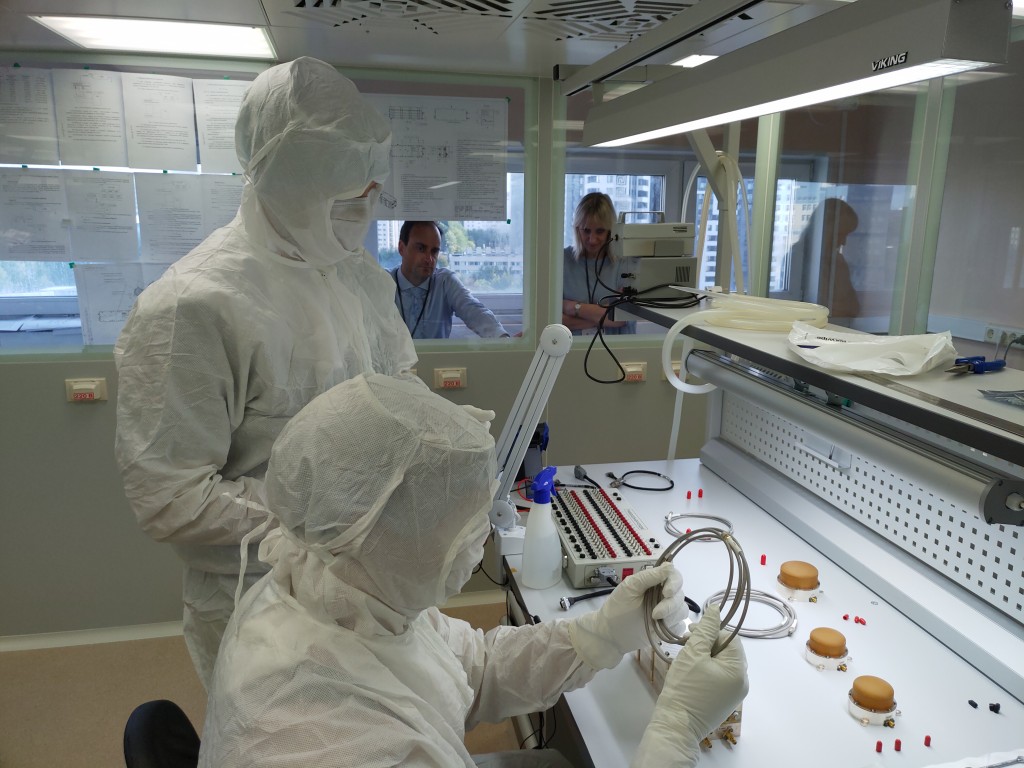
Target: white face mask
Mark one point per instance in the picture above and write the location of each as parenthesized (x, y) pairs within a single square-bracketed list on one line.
[(350, 219), (468, 557)]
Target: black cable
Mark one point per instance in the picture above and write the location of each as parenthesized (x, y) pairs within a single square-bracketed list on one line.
[(527, 738), (480, 568), (569, 601), (637, 298), (599, 335), (618, 482), (542, 740), (581, 474), (554, 727), (1019, 340)]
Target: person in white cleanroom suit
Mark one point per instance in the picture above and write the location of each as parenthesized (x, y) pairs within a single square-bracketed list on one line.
[(379, 492), (265, 314)]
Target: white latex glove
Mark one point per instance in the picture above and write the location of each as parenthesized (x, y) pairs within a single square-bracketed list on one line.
[(484, 417), (700, 691), (603, 637)]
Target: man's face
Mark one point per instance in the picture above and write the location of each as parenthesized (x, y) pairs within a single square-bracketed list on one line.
[(419, 255)]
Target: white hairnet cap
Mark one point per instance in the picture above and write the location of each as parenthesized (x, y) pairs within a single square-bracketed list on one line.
[(305, 137), (306, 105), (388, 483)]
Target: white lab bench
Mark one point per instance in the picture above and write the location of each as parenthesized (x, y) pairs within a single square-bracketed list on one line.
[(794, 714), (935, 400)]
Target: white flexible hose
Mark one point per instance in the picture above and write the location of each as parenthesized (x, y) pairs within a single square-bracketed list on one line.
[(734, 177), (731, 310)]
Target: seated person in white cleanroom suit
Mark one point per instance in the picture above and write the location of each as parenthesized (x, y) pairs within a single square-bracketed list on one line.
[(379, 492)]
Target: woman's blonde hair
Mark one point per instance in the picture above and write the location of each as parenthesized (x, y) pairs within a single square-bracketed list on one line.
[(596, 207)]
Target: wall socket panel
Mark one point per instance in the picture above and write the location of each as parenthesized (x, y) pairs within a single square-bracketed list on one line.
[(449, 378), (1002, 335), (636, 373), (676, 368)]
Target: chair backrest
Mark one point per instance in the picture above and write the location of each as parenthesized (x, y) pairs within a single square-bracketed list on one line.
[(159, 735)]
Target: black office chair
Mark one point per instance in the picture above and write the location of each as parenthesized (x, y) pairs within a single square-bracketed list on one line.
[(159, 735)]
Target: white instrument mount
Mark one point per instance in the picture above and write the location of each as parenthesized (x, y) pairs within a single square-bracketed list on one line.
[(512, 445)]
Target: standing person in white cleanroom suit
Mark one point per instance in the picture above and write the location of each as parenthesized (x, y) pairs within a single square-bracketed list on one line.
[(379, 493), (260, 318)]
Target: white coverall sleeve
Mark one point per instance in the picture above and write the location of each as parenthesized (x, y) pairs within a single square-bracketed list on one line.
[(514, 670), (179, 401)]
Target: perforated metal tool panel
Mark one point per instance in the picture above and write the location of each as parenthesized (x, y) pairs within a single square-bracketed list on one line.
[(985, 559)]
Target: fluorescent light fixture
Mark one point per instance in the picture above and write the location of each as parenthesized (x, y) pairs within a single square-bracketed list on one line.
[(159, 36), (696, 59), (868, 45)]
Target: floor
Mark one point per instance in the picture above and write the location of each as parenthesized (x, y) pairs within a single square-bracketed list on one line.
[(67, 706)]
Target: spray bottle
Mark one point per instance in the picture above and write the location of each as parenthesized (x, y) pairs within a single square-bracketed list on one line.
[(542, 550)]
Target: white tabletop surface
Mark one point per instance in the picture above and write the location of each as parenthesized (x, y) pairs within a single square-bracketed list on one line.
[(795, 714)]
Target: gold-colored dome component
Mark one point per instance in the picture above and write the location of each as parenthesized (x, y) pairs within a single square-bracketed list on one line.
[(827, 642), (873, 693), (797, 574)]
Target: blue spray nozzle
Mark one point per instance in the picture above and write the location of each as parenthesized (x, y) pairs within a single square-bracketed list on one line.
[(542, 484)]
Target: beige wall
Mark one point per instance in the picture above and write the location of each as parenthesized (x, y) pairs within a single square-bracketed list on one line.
[(71, 555)]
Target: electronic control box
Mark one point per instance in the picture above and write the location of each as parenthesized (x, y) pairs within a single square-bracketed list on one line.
[(599, 531)]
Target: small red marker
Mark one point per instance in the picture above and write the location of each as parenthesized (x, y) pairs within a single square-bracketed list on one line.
[(856, 619), (846, 617), (897, 745), (878, 746), (700, 493), (689, 495), (864, 621), (764, 559), (927, 741), (688, 530)]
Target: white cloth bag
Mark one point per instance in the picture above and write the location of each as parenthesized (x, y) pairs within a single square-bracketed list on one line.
[(854, 352)]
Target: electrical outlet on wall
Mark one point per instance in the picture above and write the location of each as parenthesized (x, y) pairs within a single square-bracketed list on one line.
[(1002, 335), (636, 373)]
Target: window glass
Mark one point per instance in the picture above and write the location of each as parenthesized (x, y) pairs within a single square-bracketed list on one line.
[(978, 288), (487, 256), (838, 226), (78, 290), (637, 197)]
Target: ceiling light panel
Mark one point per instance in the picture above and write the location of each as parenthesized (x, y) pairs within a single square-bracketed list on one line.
[(159, 36), (864, 46)]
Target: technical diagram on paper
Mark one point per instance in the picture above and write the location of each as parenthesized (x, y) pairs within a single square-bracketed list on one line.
[(448, 157)]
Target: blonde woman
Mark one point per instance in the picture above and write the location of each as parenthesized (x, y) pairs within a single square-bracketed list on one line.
[(590, 271)]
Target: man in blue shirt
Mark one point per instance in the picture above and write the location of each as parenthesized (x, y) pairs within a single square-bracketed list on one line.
[(428, 295)]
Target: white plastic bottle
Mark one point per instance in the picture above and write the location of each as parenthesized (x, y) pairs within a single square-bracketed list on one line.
[(542, 550)]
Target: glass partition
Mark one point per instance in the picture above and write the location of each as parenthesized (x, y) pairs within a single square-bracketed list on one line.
[(978, 287), (87, 222), (838, 225)]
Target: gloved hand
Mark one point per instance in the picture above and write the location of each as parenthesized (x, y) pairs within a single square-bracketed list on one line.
[(604, 636), (700, 691), (485, 417)]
